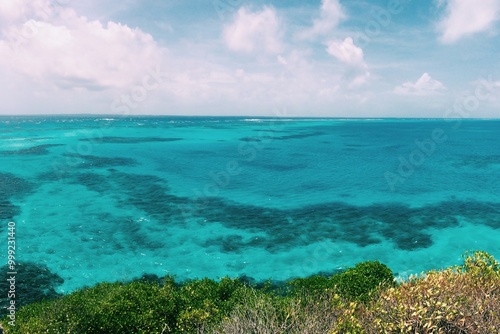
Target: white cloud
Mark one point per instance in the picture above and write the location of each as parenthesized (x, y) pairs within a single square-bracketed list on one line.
[(425, 85), (466, 17), (69, 51), (331, 15), (281, 60), (359, 78), (254, 32), (67, 63), (54, 58), (12, 10), (345, 51)]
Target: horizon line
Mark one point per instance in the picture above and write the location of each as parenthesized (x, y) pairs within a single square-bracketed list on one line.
[(250, 116)]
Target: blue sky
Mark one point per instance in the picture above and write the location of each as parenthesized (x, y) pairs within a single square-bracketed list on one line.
[(332, 58)]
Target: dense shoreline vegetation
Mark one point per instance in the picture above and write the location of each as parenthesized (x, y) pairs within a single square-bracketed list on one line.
[(362, 299)]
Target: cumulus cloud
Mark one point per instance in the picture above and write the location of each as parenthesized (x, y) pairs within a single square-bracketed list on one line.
[(14, 10), (54, 60), (467, 17), (55, 45), (254, 32), (331, 14), (358, 78), (345, 51), (348, 53), (425, 85)]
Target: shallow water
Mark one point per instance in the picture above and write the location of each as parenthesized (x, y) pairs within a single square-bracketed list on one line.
[(106, 199)]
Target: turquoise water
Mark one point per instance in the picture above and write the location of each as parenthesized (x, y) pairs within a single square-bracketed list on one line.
[(106, 199)]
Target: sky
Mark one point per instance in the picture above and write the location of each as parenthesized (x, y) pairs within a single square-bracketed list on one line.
[(297, 58)]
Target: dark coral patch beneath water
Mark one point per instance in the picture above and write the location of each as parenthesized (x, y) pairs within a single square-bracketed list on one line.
[(274, 166), (250, 139), (128, 140), (477, 161), (268, 138), (92, 161), (408, 228), (300, 135), (12, 185), (280, 229), (35, 150), (8, 210), (95, 182), (34, 282), (148, 193)]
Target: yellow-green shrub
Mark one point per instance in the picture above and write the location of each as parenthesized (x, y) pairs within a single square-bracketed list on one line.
[(463, 299), (301, 313)]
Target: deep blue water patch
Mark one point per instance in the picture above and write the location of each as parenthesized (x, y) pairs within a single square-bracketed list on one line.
[(93, 181), (146, 192), (8, 210), (128, 140), (14, 186), (92, 161), (408, 228), (299, 136), (34, 150), (125, 233), (250, 139), (273, 167), (150, 194), (271, 130), (34, 282), (478, 161)]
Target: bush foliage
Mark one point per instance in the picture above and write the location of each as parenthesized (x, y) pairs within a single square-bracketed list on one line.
[(362, 299), (464, 299)]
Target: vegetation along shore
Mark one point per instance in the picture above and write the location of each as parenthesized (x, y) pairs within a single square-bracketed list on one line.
[(363, 299)]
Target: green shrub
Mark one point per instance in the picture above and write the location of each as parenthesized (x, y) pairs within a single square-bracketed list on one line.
[(205, 302), (312, 284), (137, 307), (360, 282), (362, 299), (141, 306), (355, 283)]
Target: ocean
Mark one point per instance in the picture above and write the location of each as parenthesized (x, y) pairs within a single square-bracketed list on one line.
[(97, 199)]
